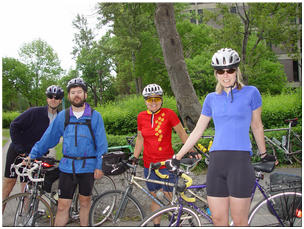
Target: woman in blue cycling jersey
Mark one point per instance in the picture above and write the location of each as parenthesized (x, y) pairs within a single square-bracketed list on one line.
[(234, 108)]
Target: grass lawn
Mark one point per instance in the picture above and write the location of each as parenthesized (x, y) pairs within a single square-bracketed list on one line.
[(5, 136)]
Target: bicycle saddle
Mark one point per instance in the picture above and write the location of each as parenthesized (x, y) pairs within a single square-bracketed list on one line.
[(266, 167)]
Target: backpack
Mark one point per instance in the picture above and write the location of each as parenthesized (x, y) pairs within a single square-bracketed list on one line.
[(87, 122)]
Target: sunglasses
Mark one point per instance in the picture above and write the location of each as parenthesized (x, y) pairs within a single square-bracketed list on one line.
[(156, 100), (52, 97), (222, 71)]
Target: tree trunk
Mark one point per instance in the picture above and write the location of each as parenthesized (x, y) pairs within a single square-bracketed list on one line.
[(188, 104)]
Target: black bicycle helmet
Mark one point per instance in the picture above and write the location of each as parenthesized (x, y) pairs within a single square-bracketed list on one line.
[(54, 90), (77, 82)]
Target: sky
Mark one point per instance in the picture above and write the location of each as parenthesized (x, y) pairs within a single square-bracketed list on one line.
[(23, 21)]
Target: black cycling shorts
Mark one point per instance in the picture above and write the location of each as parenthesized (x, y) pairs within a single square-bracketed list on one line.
[(67, 184), (49, 178), (11, 156), (230, 173)]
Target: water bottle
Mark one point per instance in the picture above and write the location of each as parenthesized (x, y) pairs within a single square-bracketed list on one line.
[(276, 141), (55, 196), (284, 140), (208, 211), (160, 194)]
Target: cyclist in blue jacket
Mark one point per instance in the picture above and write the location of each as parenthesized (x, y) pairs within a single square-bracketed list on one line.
[(234, 108), (84, 143)]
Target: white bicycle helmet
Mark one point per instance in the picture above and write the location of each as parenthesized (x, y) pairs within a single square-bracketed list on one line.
[(152, 89), (225, 58), (77, 82), (54, 90)]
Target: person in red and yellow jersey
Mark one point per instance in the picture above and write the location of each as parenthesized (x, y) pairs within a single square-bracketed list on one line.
[(154, 133)]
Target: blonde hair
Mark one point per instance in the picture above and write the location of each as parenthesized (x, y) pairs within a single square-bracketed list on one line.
[(239, 82)]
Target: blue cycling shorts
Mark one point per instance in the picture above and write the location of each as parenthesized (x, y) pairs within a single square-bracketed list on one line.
[(153, 187)]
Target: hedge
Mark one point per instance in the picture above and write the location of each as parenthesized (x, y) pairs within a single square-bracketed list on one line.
[(120, 118)]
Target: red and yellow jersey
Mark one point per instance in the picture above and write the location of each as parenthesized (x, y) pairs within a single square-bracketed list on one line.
[(156, 130)]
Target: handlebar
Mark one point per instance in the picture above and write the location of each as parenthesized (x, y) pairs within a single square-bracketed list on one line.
[(188, 180), (35, 164), (28, 171)]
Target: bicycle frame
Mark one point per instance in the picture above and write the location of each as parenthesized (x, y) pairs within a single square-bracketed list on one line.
[(129, 189)]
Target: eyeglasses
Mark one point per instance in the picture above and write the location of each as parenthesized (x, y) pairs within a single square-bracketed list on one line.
[(222, 71), (53, 97), (156, 100)]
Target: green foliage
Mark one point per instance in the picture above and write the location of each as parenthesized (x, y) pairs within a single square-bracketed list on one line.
[(280, 107), (8, 117), (44, 66), (16, 80)]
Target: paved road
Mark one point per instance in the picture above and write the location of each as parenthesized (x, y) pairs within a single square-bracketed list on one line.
[(120, 182)]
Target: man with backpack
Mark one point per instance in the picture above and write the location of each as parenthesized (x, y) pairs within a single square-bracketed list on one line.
[(84, 143)]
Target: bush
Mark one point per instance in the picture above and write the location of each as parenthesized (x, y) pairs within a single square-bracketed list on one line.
[(276, 109), (8, 117)]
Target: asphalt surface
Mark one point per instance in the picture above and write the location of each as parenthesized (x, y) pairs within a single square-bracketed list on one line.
[(120, 182)]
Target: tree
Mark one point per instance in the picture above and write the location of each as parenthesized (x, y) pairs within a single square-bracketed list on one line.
[(187, 102), (44, 64), (134, 36), (16, 82), (92, 62)]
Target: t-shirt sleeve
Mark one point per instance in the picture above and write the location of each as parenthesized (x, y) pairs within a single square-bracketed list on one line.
[(174, 120), (207, 110), (256, 99)]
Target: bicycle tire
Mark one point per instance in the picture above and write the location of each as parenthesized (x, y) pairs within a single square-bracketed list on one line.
[(36, 212), (285, 204), (106, 205), (105, 183), (168, 216)]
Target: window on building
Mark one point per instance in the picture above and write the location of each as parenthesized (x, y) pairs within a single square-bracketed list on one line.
[(200, 16), (233, 10), (192, 20), (295, 71)]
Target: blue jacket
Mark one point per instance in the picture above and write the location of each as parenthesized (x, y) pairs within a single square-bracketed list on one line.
[(85, 144)]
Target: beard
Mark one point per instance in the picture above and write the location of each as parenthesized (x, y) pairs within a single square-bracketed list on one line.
[(78, 104)]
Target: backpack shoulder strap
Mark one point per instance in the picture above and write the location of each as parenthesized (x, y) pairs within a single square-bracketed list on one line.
[(89, 123), (67, 117)]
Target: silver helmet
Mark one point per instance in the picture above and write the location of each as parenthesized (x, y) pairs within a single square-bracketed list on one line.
[(225, 58), (152, 89), (77, 82), (55, 91)]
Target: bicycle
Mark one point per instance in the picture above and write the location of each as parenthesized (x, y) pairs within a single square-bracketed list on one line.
[(35, 207), (119, 207), (290, 143), (281, 209)]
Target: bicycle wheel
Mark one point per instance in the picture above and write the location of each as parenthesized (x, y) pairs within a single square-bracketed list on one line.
[(286, 205), (23, 209), (104, 184), (296, 148), (106, 206), (173, 216)]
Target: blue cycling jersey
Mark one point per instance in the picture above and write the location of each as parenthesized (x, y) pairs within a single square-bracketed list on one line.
[(85, 145), (232, 118)]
